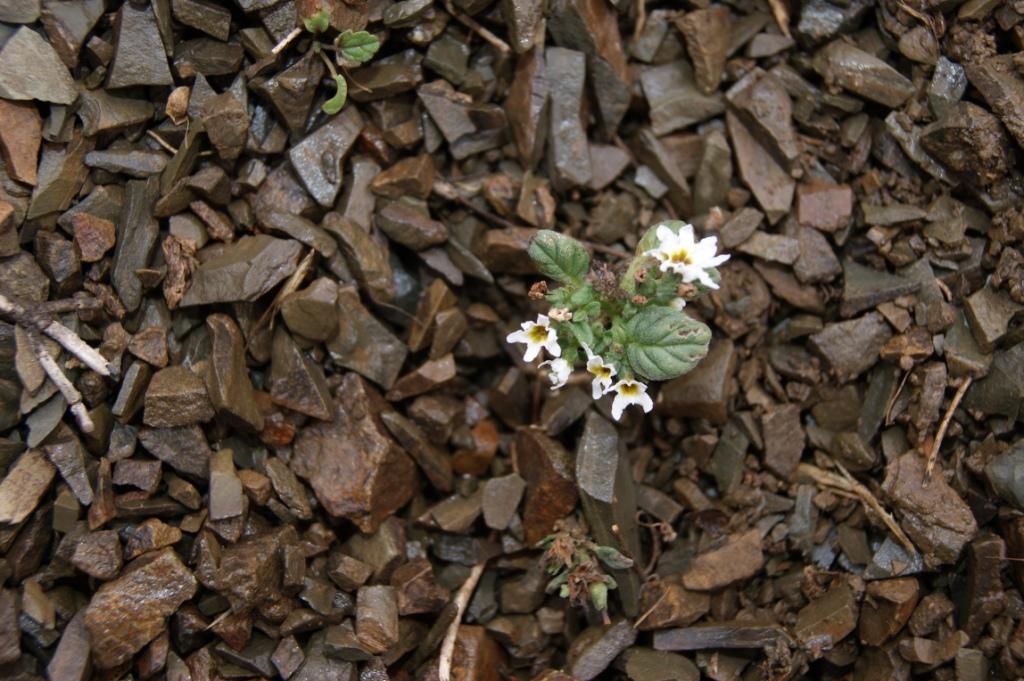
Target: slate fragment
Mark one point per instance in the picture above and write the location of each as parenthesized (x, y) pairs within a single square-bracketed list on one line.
[(356, 470), (864, 288), (569, 155), (828, 619), (409, 226), (824, 206), (1002, 88), (226, 122), (291, 90), (527, 105), (595, 648), (735, 634), (705, 391), (707, 40), (139, 57), (738, 558), (989, 313), (31, 69), (318, 159), (673, 97), (20, 138), (768, 180), (411, 176), (227, 378), (127, 613), (783, 439), (550, 490), (433, 461), (840, 63), (244, 270), (851, 347), (24, 485), (296, 382), (933, 515), (364, 344), (887, 606), (761, 101)]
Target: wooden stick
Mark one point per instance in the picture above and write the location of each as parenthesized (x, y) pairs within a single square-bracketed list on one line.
[(781, 14), (63, 383), (847, 483), (472, 25), (933, 453), (58, 332), (286, 41), (444, 664)]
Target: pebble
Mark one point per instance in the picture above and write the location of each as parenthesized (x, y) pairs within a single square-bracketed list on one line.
[(567, 138), (20, 138), (828, 619), (318, 159), (551, 493), (296, 382), (888, 605), (98, 554), (24, 485), (824, 206), (851, 347), (707, 33), (227, 378), (595, 648), (244, 270)]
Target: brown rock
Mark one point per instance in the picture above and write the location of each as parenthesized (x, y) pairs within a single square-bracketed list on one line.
[(20, 137), (771, 184), (409, 177), (151, 535), (24, 485), (932, 514), (477, 657), (888, 604), (176, 396), (707, 33), (669, 604), (227, 379), (356, 470), (98, 554), (94, 236), (828, 619), (826, 207), (225, 487), (783, 439), (431, 375), (738, 558), (705, 391), (377, 617), (129, 612)]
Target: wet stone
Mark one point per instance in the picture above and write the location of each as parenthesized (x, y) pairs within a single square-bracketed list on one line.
[(707, 33), (318, 159), (932, 514), (127, 613), (356, 470), (139, 57), (842, 64), (738, 558), (947, 86)]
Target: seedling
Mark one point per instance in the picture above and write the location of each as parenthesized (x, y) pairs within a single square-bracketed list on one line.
[(351, 48), (628, 329)]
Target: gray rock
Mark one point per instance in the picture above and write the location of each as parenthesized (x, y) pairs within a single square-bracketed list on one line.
[(31, 69)]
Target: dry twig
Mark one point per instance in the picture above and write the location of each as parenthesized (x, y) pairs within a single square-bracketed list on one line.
[(286, 41), (472, 25), (444, 663), (933, 453), (847, 483), (63, 383), (70, 341), (781, 14)]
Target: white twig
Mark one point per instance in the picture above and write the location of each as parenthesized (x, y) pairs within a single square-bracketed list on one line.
[(286, 41), (58, 332), (63, 383), (444, 665)]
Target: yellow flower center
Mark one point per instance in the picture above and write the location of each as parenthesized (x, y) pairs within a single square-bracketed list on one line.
[(629, 389), (538, 334), (601, 371), (680, 255)]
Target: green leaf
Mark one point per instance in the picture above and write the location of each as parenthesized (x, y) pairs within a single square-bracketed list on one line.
[(599, 596), (558, 581), (319, 22), (585, 313), (662, 343), (359, 46), (584, 332), (335, 103), (559, 257), (612, 558)]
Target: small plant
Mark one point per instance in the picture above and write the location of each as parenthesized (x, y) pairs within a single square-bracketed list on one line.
[(629, 328), (575, 562), (351, 49)]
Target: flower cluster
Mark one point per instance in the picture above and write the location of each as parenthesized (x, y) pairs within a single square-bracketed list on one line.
[(631, 330)]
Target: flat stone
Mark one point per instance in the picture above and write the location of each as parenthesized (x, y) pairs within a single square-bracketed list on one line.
[(94, 236), (70, 661), (356, 470), (139, 57), (738, 558), (887, 607), (364, 344), (705, 391), (205, 16), (225, 487), (644, 664), (527, 103), (840, 63), (865, 288), (143, 474), (66, 452), (61, 175), (176, 396), (501, 500), (377, 617), (318, 159), (1005, 473), (137, 234), (824, 206), (707, 33), (727, 635), (433, 461), (550, 489), (288, 488), (184, 449), (24, 485), (771, 247), (783, 439), (127, 613), (567, 138), (150, 535), (817, 261), (989, 313), (291, 91), (1002, 88), (671, 605), (595, 648), (20, 138), (674, 99), (296, 382), (312, 312), (31, 69), (771, 184), (431, 375), (983, 596), (932, 514), (227, 378), (243, 271), (409, 226), (851, 347), (411, 176), (828, 619), (98, 554), (947, 86)]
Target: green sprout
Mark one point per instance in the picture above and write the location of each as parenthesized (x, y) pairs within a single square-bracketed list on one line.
[(352, 48)]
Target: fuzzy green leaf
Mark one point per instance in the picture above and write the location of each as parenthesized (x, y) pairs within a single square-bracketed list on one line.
[(319, 22), (559, 257), (599, 596), (358, 46), (663, 343), (612, 558), (335, 103)]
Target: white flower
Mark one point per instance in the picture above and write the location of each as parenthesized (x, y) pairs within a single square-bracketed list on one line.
[(685, 256), (560, 371), (601, 370), (538, 336), (678, 303), (629, 392)]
